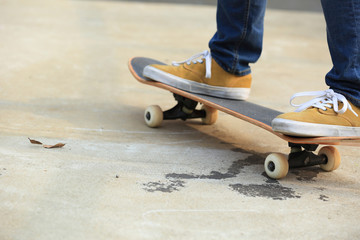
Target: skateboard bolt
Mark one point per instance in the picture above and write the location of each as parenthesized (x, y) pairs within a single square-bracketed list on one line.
[(271, 166), (148, 116)]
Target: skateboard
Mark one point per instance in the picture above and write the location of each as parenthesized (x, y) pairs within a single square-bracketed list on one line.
[(302, 149)]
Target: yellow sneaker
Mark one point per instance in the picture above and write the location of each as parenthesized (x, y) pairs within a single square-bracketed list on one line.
[(201, 74), (329, 114)]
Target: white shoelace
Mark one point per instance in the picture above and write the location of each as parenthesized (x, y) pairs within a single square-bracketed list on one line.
[(323, 100), (199, 58)]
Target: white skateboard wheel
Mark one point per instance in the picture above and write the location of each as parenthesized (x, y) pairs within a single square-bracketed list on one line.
[(211, 115), (333, 158), (153, 116), (276, 165)]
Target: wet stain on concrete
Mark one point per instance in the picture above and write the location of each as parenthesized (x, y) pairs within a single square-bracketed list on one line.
[(175, 181), (2, 171), (232, 171), (165, 186), (251, 160), (269, 180), (273, 191), (213, 175), (306, 174), (324, 198)]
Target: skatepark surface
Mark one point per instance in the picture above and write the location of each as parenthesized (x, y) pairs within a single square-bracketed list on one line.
[(64, 79)]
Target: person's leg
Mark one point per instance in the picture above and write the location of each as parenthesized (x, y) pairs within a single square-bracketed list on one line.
[(343, 33), (335, 112), (225, 71), (239, 36)]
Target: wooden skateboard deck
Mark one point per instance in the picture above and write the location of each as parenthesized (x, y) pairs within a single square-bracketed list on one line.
[(255, 114)]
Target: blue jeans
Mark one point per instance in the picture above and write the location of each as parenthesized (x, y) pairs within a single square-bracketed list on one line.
[(240, 27)]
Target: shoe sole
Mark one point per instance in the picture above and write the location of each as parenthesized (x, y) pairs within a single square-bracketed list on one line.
[(195, 87), (303, 129)]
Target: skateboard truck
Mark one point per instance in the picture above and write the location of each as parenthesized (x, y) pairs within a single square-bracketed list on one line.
[(184, 109), (301, 155)]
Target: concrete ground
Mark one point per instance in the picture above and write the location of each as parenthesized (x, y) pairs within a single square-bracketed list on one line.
[(64, 78)]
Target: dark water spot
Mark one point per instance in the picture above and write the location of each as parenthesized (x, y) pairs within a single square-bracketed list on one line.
[(167, 187), (175, 180), (3, 170), (232, 171), (213, 175), (239, 165), (306, 174), (324, 198), (273, 191), (181, 175), (271, 188), (269, 180)]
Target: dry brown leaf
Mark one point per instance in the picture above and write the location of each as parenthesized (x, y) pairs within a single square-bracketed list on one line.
[(34, 141), (58, 145)]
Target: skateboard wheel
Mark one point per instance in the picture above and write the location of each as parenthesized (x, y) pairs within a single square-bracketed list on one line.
[(333, 158), (153, 116), (276, 165), (211, 115)]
